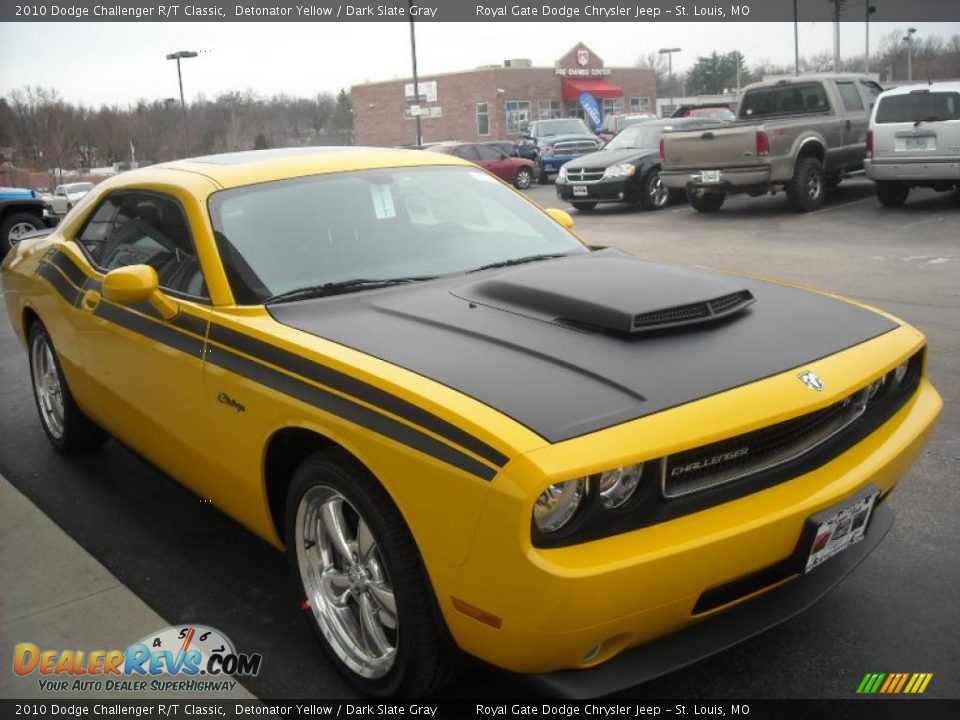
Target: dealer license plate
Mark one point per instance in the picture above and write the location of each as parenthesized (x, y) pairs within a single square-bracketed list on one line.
[(580, 190), (710, 176), (841, 529), (916, 143)]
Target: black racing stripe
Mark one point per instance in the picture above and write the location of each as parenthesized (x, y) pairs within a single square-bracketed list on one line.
[(355, 388), (190, 323), (70, 268), (53, 276), (347, 409), (153, 330)]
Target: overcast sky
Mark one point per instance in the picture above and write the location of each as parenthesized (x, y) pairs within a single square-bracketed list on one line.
[(94, 63)]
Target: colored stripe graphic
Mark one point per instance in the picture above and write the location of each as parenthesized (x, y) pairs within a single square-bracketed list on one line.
[(894, 683)]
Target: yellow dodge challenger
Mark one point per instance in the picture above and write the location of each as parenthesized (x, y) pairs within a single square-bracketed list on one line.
[(469, 430)]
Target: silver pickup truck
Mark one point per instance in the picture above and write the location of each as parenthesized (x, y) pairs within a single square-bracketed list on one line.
[(800, 135)]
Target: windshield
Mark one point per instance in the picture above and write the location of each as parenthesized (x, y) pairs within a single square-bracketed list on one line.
[(374, 225), (918, 107), (641, 137), (79, 187), (543, 128)]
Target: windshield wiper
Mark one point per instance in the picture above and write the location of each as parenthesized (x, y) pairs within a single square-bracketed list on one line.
[(518, 261), (932, 118), (342, 286)]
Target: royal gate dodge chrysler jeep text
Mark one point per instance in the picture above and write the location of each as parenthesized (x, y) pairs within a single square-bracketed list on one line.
[(468, 429)]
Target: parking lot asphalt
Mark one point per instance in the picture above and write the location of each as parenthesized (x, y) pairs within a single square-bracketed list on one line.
[(896, 613)]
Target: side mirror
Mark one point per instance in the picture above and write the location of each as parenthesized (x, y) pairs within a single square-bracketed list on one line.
[(561, 216), (135, 284)]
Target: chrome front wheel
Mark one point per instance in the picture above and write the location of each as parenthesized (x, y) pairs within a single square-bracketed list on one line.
[(347, 583), (47, 385)]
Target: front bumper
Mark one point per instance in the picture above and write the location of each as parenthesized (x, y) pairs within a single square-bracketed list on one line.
[(550, 164), (729, 180), (917, 170), (613, 190), (719, 632)]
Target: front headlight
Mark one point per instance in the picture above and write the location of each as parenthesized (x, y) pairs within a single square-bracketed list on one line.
[(562, 175), (623, 170), (617, 486), (558, 504)]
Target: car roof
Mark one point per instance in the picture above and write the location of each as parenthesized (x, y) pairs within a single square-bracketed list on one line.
[(254, 166), (919, 87)]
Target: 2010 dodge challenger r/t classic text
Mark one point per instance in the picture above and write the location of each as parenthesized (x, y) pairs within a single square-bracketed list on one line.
[(469, 430)]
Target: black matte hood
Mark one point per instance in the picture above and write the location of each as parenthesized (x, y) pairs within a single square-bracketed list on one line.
[(606, 158), (546, 343)]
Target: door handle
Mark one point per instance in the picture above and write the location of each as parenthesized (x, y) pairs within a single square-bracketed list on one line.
[(90, 301), (849, 125)]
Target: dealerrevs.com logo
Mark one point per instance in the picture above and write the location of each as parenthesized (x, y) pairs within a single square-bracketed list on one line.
[(183, 652)]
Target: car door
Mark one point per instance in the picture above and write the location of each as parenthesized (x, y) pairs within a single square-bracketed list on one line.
[(146, 373), (855, 125), (496, 162)]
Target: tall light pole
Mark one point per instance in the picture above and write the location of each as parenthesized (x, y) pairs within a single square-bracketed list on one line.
[(183, 108), (870, 10), (837, 9), (416, 81), (796, 39), (669, 53), (908, 39)]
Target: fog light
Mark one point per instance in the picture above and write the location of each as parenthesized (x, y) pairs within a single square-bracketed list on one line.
[(617, 486)]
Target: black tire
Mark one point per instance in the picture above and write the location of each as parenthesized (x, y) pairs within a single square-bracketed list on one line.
[(524, 178), (584, 206), (806, 189), (76, 432), (424, 654), (653, 193), (12, 226), (706, 203), (891, 194), (833, 180)]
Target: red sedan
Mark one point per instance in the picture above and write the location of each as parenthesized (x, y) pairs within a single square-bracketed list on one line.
[(519, 171)]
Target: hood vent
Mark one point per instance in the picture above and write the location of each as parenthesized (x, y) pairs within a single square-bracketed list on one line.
[(716, 308), (610, 292)]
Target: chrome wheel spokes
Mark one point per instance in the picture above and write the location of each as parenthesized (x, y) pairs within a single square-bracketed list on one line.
[(47, 385), (348, 587)]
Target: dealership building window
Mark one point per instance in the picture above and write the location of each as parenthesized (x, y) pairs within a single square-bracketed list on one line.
[(518, 116), (548, 109), (640, 104), (483, 119), (574, 110), (612, 106)]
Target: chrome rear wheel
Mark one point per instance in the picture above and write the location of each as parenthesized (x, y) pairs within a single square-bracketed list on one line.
[(47, 385)]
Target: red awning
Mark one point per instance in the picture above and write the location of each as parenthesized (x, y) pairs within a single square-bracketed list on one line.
[(571, 89)]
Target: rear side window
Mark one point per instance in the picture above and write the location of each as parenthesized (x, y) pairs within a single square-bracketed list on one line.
[(923, 106), (784, 100), (850, 96)]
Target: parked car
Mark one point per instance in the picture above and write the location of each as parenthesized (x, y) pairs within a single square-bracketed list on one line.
[(66, 196), (614, 123), (468, 430), (799, 135), (514, 149), (21, 212), (707, 111), (914, 140), (519, 171), (627, 169), (558, 141)]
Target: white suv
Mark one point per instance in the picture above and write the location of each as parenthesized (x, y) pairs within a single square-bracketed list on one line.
[(914, 140)]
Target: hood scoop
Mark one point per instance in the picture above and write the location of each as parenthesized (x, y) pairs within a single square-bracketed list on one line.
[(611, 292)]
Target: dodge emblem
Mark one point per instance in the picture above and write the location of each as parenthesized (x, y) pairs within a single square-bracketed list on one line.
[(811, 380)]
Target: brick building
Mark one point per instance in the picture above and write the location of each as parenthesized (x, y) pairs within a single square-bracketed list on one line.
[(494, 102)]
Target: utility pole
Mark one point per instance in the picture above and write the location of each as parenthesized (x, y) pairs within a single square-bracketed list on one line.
[(796, 40), (837, 9), (870, 10), (183, 108), (416, 81), (669, 53), (908, 39)]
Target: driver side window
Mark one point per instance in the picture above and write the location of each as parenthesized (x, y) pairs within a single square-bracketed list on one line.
[(145, 229)]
